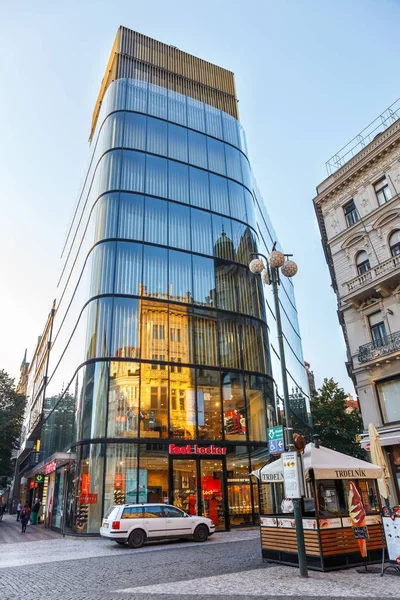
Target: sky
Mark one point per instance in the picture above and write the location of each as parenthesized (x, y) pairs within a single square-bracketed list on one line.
[(309, 74)]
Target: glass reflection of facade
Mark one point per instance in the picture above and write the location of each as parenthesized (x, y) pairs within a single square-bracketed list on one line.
[(160, 333)]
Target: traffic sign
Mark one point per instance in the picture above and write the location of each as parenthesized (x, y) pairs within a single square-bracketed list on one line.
[(276, 441)]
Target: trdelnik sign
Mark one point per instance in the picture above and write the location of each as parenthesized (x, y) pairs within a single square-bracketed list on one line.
[(196, 449)]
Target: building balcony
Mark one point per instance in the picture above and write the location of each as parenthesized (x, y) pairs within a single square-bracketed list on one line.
[(386, 272), (372, 351)]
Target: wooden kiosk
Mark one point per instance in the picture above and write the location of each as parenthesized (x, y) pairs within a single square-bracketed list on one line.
[(329, 537)]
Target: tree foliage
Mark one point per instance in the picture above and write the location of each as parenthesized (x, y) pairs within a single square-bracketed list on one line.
[(12, 406), (336, 428)]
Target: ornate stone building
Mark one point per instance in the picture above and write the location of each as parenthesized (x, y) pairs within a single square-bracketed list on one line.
[(358, 211)]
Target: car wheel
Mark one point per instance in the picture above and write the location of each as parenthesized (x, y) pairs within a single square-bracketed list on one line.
[(137, 539), (120, 542), (201, 534)]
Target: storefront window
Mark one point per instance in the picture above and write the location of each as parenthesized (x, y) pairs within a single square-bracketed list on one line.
[(153, 475), (85, 496), (233, 407), (239, 492), (58, 499), (153, 402), (185, 485), (121, 482), (257, 400)]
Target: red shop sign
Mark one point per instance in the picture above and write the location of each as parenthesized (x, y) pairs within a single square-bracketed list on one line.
[(88, 499), (50, 467), (196, 449)]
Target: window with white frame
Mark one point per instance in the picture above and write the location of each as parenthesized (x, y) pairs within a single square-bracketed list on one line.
[(378, 329), (394, 242), (389, 393), (382, 191), (362, 262), (351, 213)]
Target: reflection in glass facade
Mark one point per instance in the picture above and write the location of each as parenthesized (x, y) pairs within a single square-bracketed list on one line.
[(160, 335)]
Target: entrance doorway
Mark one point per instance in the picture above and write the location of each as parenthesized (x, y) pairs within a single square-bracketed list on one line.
[(198, 488)]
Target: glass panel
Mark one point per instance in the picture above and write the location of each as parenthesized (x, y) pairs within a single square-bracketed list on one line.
[(114, 98), (219, 194), (98, 328), (177, 142), (155, 222), (102, 269), (125, 342), (93, 406), (109, 171), (135, 131), (106, 215), (228, 342), (205, 338), (136, 95), (180, 336), (195, 114), (121, 477), (233, 163), (249, 202), (153, 402), (180, 276), (212, 492), (222, 237), (154, 333), (179, 226), (128, 270), (123, 400), (230, 129), (178, 182), (197, 149), (252, 347), (249, 293), (185, 485), (157, 105), (131, 212), (153, 474), (257, 400), (236, 200), (233, 407), (201, 231), (243, 242), (216, 156), (239, 494), (157, 136), (156, 176), (155, 272), (112, 131), (203, 281), (246, 173), (177, 107), (226, 284), (132, 178), (199, 188), (213, 121), (209, 410), (182, 403), (88, 517)]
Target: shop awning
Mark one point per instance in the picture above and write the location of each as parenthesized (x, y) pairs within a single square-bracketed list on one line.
[(52, 463), (326, 464)]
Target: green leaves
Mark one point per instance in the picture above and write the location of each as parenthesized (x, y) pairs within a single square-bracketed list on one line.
[(12, 406), (336, 426)]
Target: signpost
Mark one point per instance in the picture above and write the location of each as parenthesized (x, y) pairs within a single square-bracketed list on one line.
[(291, 475), (276, 441)]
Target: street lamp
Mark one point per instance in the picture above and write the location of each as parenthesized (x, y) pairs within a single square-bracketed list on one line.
[(277, 263)]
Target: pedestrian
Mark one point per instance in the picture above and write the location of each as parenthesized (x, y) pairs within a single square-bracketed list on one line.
[(25, 516), (35, 511), (18, 509)]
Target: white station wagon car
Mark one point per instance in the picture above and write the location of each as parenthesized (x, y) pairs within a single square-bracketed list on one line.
[(136, 524)]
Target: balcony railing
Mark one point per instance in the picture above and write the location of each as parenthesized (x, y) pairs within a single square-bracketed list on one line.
[(371, 351), (375, 273)]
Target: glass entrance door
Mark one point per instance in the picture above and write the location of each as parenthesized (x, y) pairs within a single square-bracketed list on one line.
[(185, 485), (212, 492)]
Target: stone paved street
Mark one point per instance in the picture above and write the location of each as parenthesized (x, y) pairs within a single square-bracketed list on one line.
[(229, 566)]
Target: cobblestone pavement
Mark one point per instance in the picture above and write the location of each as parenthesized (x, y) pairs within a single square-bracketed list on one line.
[(227, 566), (10, 531)]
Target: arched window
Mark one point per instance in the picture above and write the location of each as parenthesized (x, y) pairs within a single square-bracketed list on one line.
[(362, 262), (394, 242)]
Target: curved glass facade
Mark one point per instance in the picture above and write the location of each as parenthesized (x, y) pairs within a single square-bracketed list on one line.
[(160, 342)]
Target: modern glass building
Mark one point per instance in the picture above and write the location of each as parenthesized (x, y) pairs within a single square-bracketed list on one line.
[(156, 379)]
